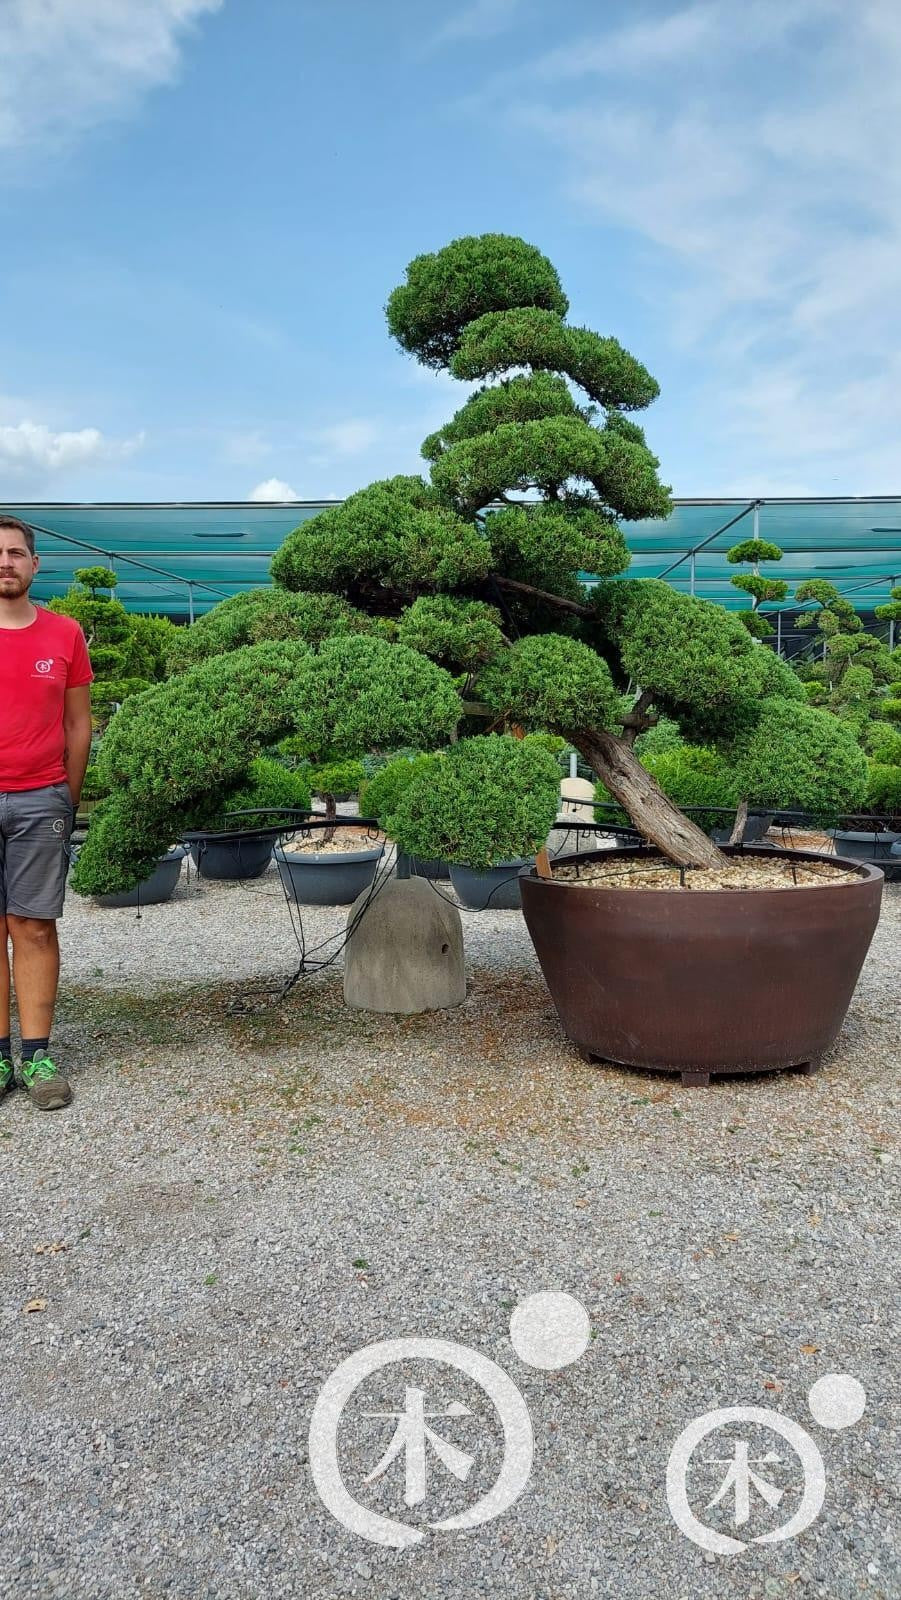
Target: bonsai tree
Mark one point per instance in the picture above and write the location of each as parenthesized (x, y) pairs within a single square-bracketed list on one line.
[(751, 552), (128, 653), (98, 581), (459, 601), (334, 780)]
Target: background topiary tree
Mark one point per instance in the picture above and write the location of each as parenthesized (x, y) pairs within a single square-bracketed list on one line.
[(489, 800), (128, 653), (379, 795), (751, 552), (473, 586)]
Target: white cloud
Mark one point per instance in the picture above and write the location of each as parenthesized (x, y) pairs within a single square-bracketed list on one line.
[(66, 65), (481, 20), (273, 489), (350, 438), (246, 447), (751, 149), (32, 450)]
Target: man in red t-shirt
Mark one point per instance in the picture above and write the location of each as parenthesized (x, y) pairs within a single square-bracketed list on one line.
[(45, 741)]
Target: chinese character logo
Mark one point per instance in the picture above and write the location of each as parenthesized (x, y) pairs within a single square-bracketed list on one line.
[(411, 1437), (547, 1331), (43, 666), (745, 1493)]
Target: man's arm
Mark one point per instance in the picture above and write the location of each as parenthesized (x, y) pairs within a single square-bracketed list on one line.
[(77, 728)]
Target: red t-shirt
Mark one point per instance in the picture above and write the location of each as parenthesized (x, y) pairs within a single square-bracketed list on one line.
[(37, 665)]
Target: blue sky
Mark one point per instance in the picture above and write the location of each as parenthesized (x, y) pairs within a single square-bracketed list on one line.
[(205, 204)]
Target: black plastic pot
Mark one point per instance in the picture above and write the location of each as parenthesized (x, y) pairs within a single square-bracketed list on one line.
[(421, 866), (496, 889), (860, 844), (232, 855), (328, 878), (757, 825), (153, 890)]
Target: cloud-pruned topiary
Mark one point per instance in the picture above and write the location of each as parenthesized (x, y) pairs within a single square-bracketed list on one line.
[(260, 614), (474, 582), (461, 634), (190, 741), (396, 535), (470, 277), (696, 659), (490, 799), (550, 681)]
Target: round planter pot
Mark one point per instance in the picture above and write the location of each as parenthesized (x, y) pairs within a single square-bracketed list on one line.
[(496, 889), (328, 878), (233, 855), (703, 984), (863, 845), (153, 890)]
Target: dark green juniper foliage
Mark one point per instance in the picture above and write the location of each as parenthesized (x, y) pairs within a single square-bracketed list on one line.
[(472, 584)]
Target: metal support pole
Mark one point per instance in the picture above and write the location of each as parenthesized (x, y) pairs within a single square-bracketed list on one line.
[(692, 579), (757, 533), (778, 633), (891, 621), (190, 603)]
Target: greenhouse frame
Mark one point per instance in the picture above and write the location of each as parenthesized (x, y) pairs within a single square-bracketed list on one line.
[(180, 558)]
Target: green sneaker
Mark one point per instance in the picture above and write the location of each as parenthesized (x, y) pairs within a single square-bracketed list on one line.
[(7, 1076), (45, 1083)]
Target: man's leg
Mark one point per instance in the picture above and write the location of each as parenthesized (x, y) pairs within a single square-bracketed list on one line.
[(35, 973), (39, 824), (4, 979), (35, 976), (6, 1064)]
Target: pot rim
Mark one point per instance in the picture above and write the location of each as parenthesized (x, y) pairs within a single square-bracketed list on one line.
[(499, 866), (865, 871), (319, 858)]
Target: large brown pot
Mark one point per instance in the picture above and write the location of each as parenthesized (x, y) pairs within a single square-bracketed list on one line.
[(727, 981)]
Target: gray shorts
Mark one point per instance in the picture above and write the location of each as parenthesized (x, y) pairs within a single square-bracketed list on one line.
[(35, 827)]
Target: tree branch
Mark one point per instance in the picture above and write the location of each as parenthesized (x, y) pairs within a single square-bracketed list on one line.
[(637, 721), (576, 607)]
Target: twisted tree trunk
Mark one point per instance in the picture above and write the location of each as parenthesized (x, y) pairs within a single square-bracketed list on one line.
[(653, 813), (331, 815)]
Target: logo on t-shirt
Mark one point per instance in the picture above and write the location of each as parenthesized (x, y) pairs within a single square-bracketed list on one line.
[(44, 666)]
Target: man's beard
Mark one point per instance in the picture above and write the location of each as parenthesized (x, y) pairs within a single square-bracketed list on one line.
[(14, 588)]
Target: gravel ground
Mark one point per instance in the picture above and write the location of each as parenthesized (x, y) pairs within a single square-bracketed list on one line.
[(249, 1188)]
